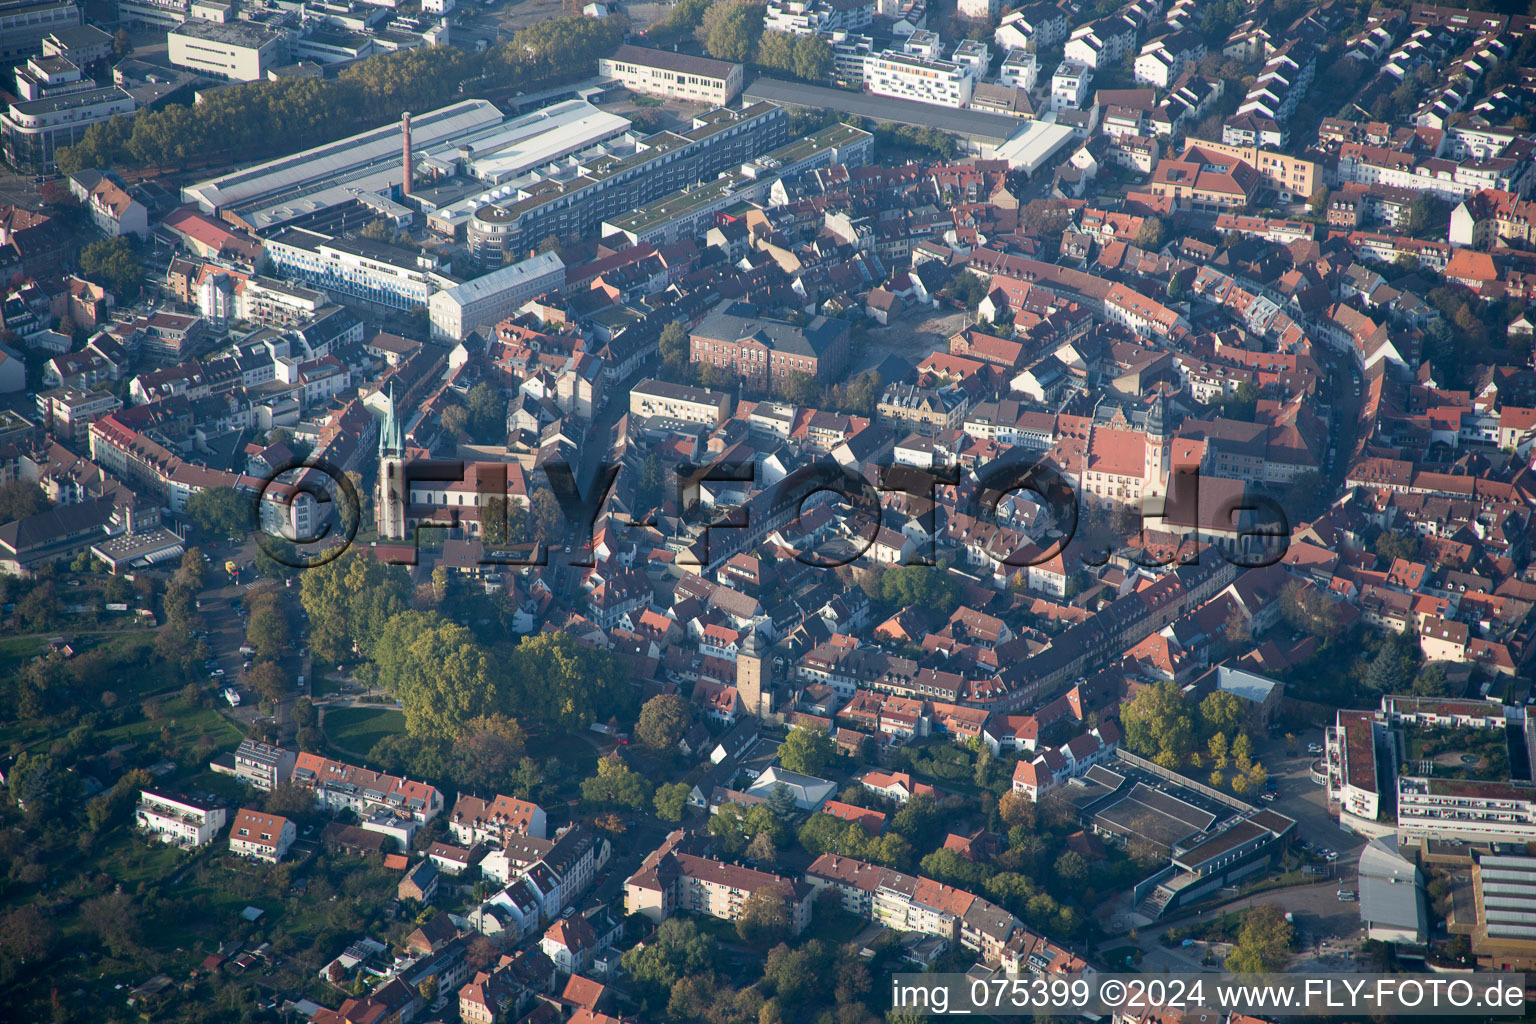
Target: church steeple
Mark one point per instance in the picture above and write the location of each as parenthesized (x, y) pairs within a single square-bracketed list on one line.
[(391, 438), (390, 493)]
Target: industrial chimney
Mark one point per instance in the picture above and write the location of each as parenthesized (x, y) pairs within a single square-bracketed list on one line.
[(405, 134)]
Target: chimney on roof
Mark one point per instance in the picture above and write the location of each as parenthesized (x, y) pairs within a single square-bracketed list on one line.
[(405, 135)]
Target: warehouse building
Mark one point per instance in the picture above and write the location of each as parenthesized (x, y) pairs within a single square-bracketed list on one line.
[(303, 184), (492, 298)]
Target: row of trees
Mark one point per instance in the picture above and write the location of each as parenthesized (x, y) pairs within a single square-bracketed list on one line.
[(290, 114)]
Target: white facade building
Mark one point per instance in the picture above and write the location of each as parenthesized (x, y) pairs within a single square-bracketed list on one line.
[(353, 267), (1020, 70), (460, 309), (1070, 84), (178, 820), (904, 76), (239, 50)]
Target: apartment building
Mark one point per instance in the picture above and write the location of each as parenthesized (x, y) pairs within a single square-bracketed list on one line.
[(340, 786), (68, 412), (261, 836), (1292, 178), (242, 51), (907, 76), (818, 17), (1020, 70), (911, 903), (1206, 180), (671, 880), (1479, 804), (653, 399), (263, 766), (1101, 43), (178, 820), (476, 820), (926, 410), (1044, 24), (676, 76), (1070, 84)]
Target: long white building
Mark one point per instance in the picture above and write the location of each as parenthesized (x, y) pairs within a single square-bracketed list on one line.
[(487, 300), (355, 267), (271, 194), (909, 77)]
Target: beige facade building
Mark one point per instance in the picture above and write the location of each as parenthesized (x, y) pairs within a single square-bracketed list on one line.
[(658, 399), (677, 76)]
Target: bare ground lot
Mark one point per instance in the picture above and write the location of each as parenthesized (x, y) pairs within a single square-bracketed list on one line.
[(913, 337)]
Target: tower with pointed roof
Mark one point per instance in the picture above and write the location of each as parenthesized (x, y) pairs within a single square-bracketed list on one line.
[(753, 678), (1155, 476), (390, 499)]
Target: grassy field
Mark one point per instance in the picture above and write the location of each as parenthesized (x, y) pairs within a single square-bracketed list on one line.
[(186, 725), (357, 729)]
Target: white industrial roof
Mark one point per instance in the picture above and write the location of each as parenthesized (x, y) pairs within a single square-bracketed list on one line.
[(500, 280), (1033, 145), (307, 181), (501, 152)]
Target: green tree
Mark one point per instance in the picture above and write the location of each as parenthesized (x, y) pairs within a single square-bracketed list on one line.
[(487, 407), (674, 343), (115, 263), (1242, 752), (1218, 749), (1222, 712), (487, 752), (677, 950), (617, 783), (114, 919), (41, 785), (764, 919), (663, 720), (1071, 868), (671, 799), (19, 499), (349, 601), (267, 631), (812, 59), (1157, 722), (807, 751), (221, 512), (559, 682), (801, 388), (1152, 234), (730, 30), (545, 519), (1263, 943), (1317, 202), (504, 521), (441, 676), (919, 586)]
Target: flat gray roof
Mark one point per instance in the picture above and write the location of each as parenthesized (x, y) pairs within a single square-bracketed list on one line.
[(974, 123)]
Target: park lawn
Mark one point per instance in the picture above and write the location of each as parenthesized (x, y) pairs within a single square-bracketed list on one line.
[(356, 730), (186, 724)]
